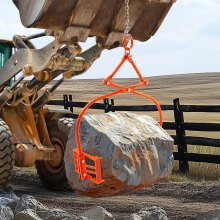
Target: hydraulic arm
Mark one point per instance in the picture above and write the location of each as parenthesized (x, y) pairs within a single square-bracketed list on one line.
[(26, 71)]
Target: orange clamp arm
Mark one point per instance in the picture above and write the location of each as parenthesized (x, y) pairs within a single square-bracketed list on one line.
[(93, 172)]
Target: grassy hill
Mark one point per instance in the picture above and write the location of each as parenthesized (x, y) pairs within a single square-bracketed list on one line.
[(200, 88), (191, 88)]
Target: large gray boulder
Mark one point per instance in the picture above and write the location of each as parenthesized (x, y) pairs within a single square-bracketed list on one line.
[(149, 213), (136, 152)]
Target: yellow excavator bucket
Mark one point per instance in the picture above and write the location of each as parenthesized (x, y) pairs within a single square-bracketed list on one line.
[(80, 19)]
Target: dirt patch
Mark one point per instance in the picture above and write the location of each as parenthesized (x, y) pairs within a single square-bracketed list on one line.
[(179, 200)]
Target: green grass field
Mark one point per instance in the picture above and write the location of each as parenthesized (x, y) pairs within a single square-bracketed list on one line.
[(199, 89)]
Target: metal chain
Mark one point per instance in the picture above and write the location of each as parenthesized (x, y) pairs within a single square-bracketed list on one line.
[(127, 17)]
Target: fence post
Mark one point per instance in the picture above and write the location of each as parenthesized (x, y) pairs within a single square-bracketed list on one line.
[(180, 134), (70, 100), (65, 102), (106, 105), (112, 104)]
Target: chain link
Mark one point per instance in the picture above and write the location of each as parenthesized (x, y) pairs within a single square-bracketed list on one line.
[(127, 17)]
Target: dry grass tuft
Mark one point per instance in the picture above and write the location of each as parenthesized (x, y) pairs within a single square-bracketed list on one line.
[(199, 171)]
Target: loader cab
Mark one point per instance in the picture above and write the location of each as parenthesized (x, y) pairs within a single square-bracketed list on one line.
[(6, 50)]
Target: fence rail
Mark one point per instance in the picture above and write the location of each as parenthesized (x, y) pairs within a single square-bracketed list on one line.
[(179, 126)]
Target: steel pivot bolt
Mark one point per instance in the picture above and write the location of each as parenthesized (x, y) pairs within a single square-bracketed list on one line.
[(27, 70)]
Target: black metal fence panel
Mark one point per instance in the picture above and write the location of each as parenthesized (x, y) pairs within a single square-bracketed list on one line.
[(179, 126)]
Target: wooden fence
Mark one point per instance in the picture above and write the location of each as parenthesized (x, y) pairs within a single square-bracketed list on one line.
[(179, 126)]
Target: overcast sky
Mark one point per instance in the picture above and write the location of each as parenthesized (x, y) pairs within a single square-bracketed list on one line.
[(187, 42)]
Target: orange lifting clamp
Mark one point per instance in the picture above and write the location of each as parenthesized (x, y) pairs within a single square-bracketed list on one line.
[(93, 172)]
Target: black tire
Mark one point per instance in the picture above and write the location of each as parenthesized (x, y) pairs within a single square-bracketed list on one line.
[(7, 154), (54, 177)]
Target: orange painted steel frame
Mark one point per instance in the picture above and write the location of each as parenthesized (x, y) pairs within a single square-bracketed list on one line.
[(93, 173)]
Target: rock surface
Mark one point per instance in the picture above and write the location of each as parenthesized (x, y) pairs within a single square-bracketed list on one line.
[(8, 198), (29, 203), (28, 211), (27, 214), (135, 150), (56, 214), (28, 208), (98, 213), (210, 215), (6, 213), (149, 213)]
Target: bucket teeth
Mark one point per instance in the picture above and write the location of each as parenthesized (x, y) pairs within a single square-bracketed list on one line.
[(103, 18)]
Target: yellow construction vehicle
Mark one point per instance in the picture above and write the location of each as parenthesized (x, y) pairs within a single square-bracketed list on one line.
[(29, 132)]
